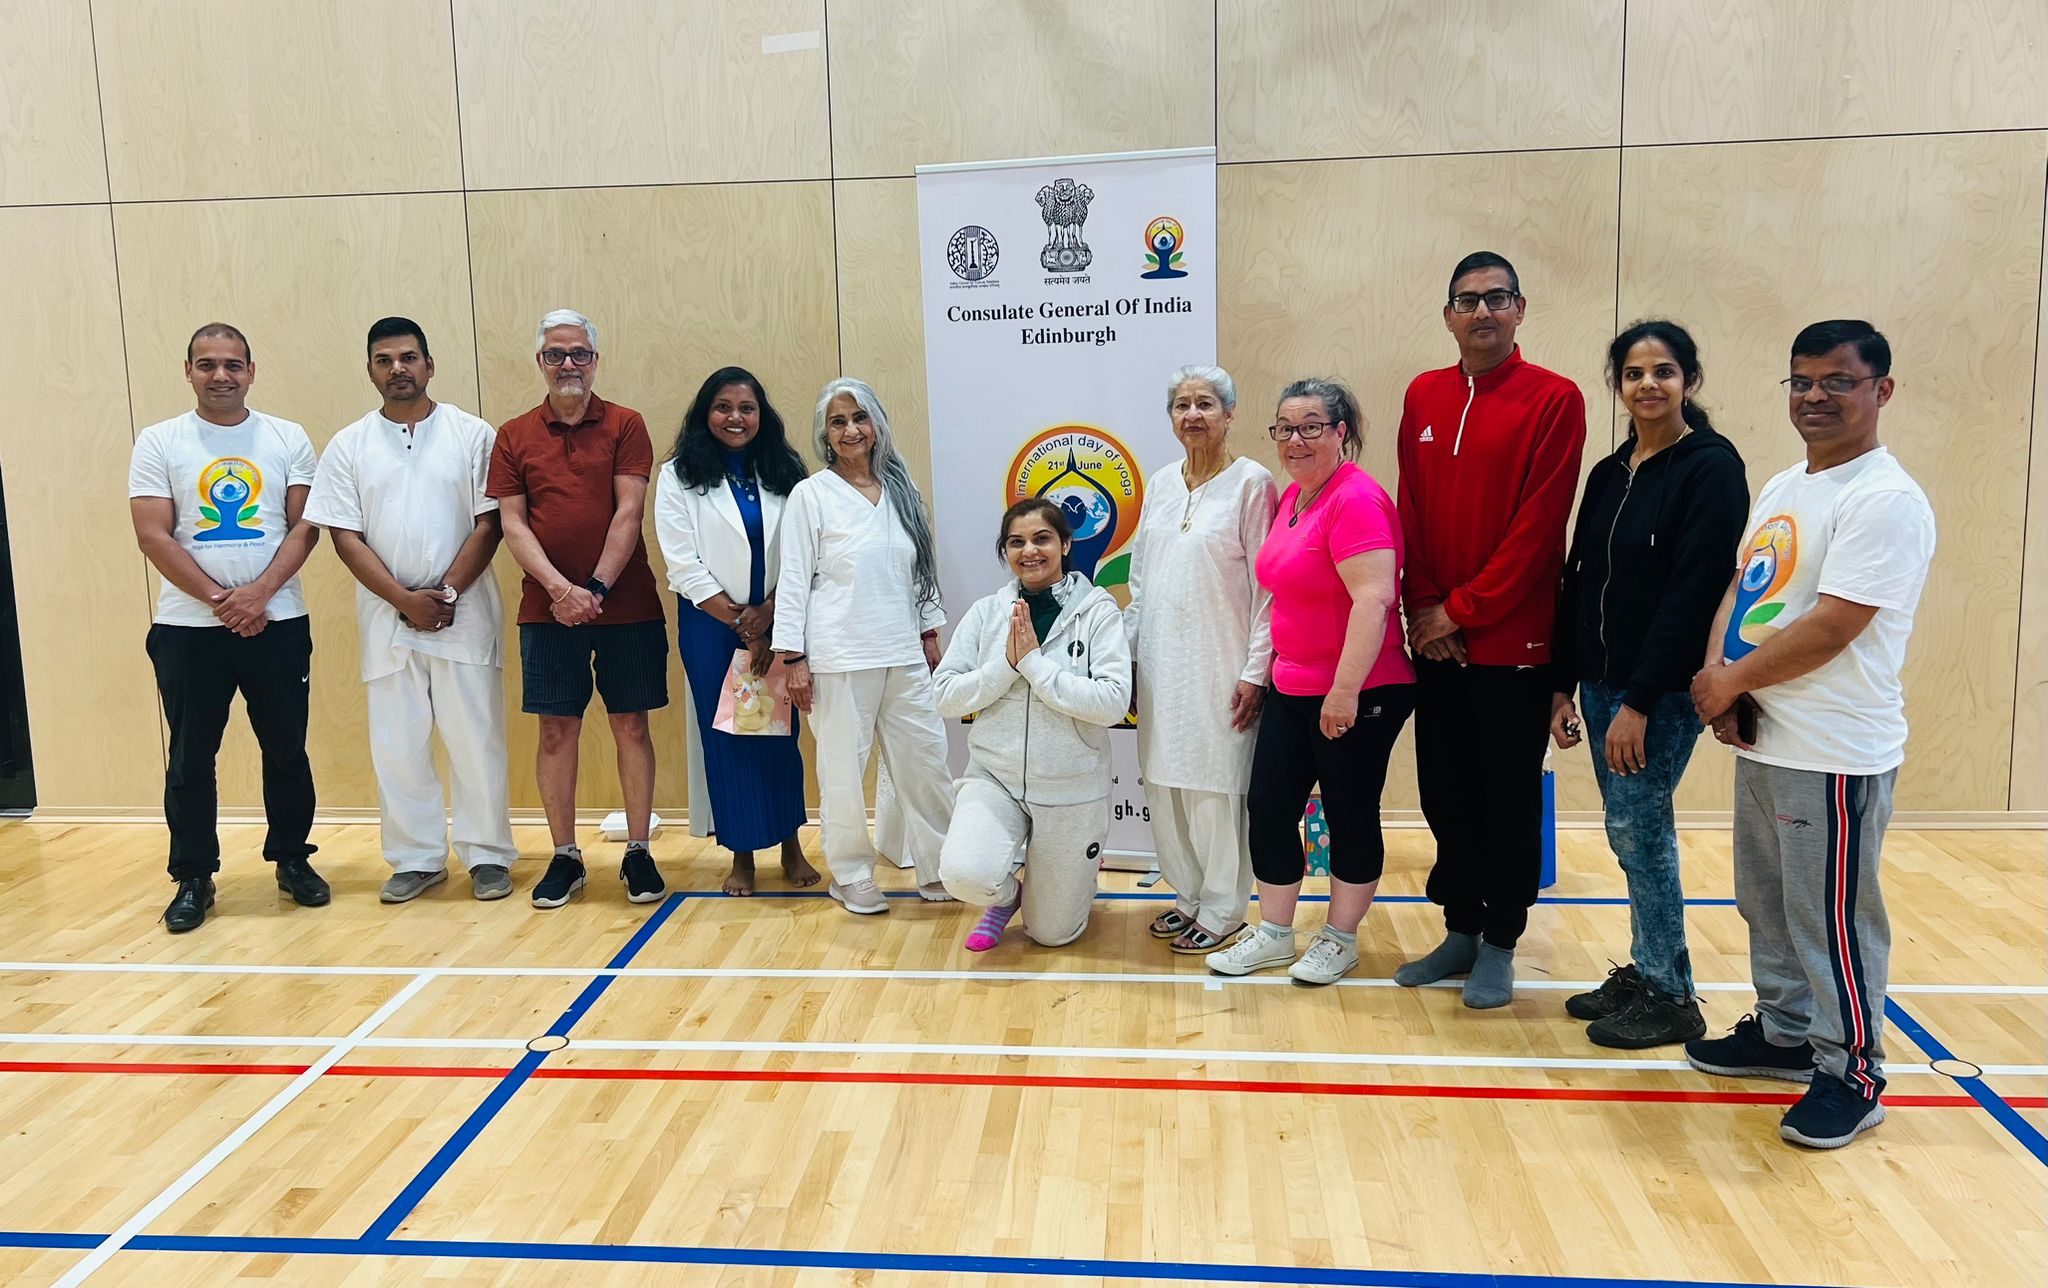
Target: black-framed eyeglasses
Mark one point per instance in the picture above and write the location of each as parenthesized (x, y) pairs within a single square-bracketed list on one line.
[(574, 357), (1495, 301), (1306, 433), (1800, 386)]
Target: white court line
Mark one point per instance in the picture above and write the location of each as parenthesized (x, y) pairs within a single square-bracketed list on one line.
[(965, 976), (198, 1172), (340, 1046)]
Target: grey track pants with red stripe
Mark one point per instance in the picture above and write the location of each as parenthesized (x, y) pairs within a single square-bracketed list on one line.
[(1807, 849)]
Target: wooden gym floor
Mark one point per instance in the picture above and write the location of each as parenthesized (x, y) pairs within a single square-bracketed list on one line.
[(769, 1091)]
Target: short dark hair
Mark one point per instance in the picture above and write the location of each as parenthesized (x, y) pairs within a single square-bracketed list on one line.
[(219, 331), (1822, 338), (1479, 259), (1055, 518), (386, 328)]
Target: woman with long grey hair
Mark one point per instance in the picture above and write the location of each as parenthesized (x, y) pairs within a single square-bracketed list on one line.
[(857, 622)]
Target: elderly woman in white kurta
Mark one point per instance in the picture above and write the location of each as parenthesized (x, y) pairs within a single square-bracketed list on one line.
[(857, 622), (1202, 650)]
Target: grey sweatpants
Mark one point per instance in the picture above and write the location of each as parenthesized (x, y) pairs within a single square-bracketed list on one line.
[(1807, 846), (1062, 847)]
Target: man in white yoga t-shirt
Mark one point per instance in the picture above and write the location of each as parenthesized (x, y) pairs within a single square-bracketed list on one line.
[(217, 496), (402, 492), (1802, 679)]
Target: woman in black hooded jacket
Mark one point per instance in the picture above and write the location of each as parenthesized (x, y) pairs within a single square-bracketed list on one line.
[(1650, 558)]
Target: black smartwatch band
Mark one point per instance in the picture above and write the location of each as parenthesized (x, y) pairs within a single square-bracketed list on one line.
[(597, 588)]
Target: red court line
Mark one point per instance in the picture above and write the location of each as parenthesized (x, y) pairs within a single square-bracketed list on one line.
[(1416, 1091)]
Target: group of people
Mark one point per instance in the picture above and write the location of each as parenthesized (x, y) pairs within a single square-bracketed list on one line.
[(1274, 641)]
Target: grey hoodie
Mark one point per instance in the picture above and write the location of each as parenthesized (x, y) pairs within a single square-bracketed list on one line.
[(1041, 728)]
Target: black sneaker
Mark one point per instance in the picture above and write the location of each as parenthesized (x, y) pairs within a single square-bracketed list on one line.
[(1746, 1053), (1611, 998), (189, 905), (1831, 1114), (642, 878), (306, 887), (1650, 1018), (564, 878)]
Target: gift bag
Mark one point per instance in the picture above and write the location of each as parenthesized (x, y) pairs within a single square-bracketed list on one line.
[(1316, 838), (752, 704)]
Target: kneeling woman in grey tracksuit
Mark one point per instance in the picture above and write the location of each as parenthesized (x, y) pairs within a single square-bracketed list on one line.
[(1044, 668)]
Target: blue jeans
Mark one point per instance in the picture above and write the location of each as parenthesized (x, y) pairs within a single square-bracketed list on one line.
[(1642, 831)]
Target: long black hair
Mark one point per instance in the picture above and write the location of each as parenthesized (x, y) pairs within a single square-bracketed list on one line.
[(700, 458), (1683, 352)]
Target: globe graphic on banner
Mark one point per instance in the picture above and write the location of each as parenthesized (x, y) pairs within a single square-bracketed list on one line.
[(1087, 511)]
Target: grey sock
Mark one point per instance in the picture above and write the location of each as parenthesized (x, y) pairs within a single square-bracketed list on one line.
[(1271, 931), (569, 851), (1348, 940), (1492, 982), (1454, 956)]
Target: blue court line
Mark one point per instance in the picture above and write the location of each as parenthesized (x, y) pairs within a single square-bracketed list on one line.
[(1600, 901), (429, 1176), (779, 1258), (1993, 1103)]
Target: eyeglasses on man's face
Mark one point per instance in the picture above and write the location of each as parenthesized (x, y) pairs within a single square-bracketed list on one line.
[(1495, 301), (1306, 432), (1800, 386), (574, 357)]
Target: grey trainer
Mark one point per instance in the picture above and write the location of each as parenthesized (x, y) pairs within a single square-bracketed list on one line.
[(404, 887), (488, 881)]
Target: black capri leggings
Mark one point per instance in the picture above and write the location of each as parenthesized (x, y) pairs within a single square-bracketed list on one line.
[(1292, 756)]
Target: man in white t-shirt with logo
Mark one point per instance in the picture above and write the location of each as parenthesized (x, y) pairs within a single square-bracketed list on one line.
[(216, 497), (402, 492), (1802, 679)]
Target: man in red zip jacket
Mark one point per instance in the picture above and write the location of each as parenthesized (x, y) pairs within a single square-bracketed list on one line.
[(1489, 453)]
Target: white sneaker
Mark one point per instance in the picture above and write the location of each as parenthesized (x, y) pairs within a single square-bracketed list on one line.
[(1325, 962), (863, 896), (1253, 949), (935, 892)]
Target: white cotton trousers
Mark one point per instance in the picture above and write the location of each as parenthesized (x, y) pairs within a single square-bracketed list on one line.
[(1062, 853), (892, 707), (1203, 840), (466, 703)]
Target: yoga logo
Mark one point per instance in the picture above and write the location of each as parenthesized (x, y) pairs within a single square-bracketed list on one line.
[(1773, 554), (230, 491), (1164, 238), (1095, 483)]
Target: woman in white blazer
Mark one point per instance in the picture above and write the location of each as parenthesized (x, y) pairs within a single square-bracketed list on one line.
[(718, 513)]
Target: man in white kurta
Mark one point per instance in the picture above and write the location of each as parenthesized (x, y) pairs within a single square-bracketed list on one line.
[(402, 491), (1198, 628)]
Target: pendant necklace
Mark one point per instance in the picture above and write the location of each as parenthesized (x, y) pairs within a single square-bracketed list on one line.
[(1300, 505), (1187, 513)]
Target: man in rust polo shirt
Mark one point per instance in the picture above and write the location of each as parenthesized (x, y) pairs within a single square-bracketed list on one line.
[(571, 477)]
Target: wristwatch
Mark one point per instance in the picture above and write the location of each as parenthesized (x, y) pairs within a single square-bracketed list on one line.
[(446, 594), (597, 588)]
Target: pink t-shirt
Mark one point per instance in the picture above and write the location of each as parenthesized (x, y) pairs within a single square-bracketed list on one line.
[(1298, 565)]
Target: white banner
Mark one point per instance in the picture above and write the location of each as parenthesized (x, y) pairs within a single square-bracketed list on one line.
[(1059, 295)]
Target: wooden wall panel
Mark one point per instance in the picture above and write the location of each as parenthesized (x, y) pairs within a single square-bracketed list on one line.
[(641, 91), (78, 579), (1336, 78), (249, 98), (924, 82), (1937, 241), (1340, 267), (50, 145), (679, 281), (1736, 69), (2030, 686), (304, 279), (881, 307)]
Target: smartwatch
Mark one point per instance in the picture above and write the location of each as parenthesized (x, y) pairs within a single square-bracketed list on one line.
[(597, 588)]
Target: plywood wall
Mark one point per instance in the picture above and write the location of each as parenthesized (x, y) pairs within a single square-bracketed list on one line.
[(722, 182)]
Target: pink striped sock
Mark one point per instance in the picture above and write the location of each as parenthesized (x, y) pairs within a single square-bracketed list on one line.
[(989, 930)]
